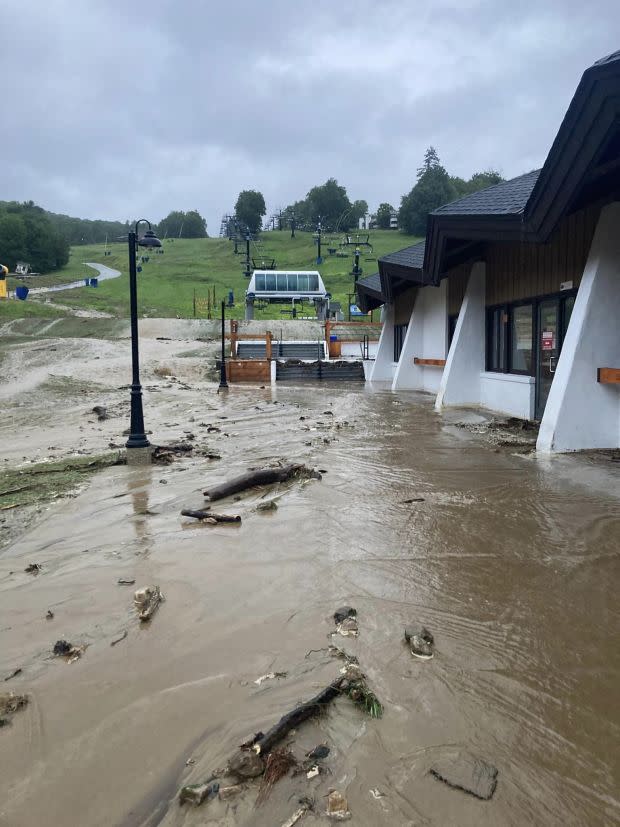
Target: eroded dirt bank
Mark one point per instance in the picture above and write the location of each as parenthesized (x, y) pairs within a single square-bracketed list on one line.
[(511, 562)]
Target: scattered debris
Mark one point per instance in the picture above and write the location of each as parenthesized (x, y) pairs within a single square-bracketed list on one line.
[(278, 763), (337, 807), (166, 454), (377, 794), (468, 773), (190, 761), (118, 639), (49, 615), (101, 411), (33, 568), (262, 476), (206, 516), (348, 627), (313, 772), (297, 815), (14, 674), (147, 601), (66, 650), (197, 793), (344, 612), (420, 641), (413, 500), (122, 581), (354, 685), (269, 676)]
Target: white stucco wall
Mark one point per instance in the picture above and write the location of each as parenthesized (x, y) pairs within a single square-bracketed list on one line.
[(508, 393), (384, 365), (426, 338), (460, 382), (355, 349), (581, 413)]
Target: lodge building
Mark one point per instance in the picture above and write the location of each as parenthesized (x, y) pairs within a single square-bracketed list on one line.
[(512, 302)]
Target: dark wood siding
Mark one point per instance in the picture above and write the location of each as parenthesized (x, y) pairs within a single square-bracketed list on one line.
[(403, 305), (518, 271), (457, 284)]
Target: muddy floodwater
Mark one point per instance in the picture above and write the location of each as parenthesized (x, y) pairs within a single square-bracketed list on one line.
[(511, 561)]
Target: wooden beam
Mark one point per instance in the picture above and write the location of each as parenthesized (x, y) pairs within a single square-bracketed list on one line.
[(608, 376), (434, 363)]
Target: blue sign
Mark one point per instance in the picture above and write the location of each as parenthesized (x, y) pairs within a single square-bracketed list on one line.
[(355, 311)]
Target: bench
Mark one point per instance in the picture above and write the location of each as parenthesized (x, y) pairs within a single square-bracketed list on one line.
[(608, 376), (433, 363)]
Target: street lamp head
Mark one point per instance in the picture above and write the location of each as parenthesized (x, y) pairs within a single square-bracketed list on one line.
[(149, 239)]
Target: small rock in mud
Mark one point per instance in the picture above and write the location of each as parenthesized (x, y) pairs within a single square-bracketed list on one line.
[(49, 615), (246, 764), (337, 807), (270, 505), (228, 792), (420, 641), (322, 751), (468, 773), (62, 647), (344, 612), (10, 702), (147, 601), (33, 568), (197, 793), (101, 411)]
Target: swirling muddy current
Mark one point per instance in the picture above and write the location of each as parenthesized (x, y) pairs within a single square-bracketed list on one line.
[(510, 560)]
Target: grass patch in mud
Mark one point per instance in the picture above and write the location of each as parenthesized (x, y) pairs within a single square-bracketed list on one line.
[(46, 481), (66, 387), (64, 327)]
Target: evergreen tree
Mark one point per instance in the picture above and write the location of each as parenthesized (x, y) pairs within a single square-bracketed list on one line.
[(384, 215)]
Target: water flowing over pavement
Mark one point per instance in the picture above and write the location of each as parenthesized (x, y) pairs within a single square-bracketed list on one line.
[(511, 561), (104, 273)]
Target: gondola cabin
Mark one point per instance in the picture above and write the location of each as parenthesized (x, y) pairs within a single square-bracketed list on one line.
[(284, 287)]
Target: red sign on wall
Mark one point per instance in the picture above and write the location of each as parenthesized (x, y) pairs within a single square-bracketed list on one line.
[(548, 342)]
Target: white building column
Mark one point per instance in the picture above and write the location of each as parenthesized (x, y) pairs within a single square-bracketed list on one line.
[(460, 382), (426, 338), (581, 413), (383, 367)]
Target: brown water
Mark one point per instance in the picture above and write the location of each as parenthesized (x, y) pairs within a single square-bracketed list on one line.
[(511, 561)]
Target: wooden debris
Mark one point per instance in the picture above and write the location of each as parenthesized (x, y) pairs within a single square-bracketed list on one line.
[(147, 601), (14, 674), (210, 516), (10, 703), (261, 476), (33, 568), (228, 792), (119, 639), (122, 581), (292, 719)]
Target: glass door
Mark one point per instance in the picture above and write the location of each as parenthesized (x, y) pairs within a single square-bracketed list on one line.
[(548, 350)]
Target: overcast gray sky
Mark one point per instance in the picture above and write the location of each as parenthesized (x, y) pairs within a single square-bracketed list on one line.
[(113, 109)]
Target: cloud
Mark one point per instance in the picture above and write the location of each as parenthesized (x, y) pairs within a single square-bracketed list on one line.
[(116, 111)]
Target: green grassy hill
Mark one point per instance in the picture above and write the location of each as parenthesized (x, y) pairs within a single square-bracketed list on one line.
[(168, 282)]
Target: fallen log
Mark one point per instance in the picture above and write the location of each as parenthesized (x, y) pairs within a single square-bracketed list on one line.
[(301, 713), (210, 515), (262, 476)]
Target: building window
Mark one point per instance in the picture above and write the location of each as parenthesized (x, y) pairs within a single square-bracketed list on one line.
[(399, 338), (521, 339), (497, 319)]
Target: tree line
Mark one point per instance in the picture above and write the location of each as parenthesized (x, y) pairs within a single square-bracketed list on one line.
[(28, 234), (330, 204)]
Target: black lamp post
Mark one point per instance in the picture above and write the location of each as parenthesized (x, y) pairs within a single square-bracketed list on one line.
[(319, 259), (248, 270), (223, 382), (137, 437)]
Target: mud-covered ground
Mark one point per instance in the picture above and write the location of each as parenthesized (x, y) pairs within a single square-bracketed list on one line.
[(510, 560)]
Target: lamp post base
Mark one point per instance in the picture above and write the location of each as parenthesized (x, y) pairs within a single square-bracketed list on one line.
[(140, 456)]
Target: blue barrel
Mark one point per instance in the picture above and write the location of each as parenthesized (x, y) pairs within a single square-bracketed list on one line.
[(94, 282), (86, 282), (333, 338), (22, 292)]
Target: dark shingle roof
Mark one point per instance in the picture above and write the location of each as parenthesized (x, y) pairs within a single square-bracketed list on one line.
[(371, 283), (506, 198), (408, 257), (608, 59)]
